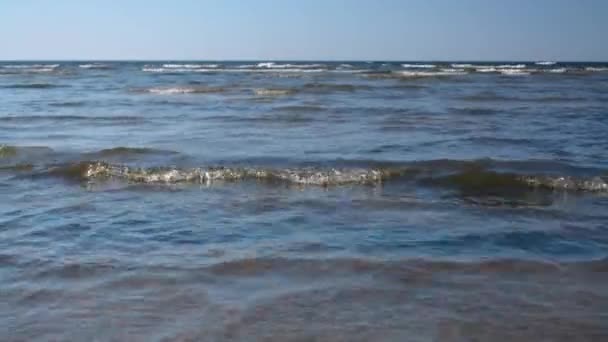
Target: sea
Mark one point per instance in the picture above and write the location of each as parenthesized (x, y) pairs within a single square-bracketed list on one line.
[(303, 201)]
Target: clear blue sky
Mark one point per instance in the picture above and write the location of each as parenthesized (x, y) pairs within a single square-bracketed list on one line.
[(305, 29)]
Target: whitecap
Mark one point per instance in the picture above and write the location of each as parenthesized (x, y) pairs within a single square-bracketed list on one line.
[(596, 69), (30, 66), (272, 92), (419, 66), (190, 66), (545, 63), (514, 72), (511, 66), (466, 66), (430, 73)]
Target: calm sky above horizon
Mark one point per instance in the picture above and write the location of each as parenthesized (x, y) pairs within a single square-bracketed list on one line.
[(305, 29)]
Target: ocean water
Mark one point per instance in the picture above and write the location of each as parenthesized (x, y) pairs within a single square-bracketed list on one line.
[(303, 201)]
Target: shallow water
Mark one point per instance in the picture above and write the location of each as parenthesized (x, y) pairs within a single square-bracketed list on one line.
[(343, 201)]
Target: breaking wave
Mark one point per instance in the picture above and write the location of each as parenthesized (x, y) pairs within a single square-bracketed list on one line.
[(468, 177), (419, 66), (182, 90), (97, 66), (273, 92)]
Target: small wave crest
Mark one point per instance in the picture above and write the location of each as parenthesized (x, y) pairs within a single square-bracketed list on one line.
[(97, 66), (420, 74), (33, 86), (191, 66), (182, 90), (273, 91), (419, 66)]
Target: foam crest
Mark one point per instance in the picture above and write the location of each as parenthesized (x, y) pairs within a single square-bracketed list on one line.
[(305, 176), (183, 90), (419, 66), (474, 181)]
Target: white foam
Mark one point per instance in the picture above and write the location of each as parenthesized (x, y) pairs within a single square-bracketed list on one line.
[(160, 70), (486, 69), (238, 69), (272, 92), (557, 71), (31, 66), (171, 91), (419, 66), (93, 66), (183, 90), (431, 73), (511, 66), (545, 63), (273, 65), (190, 66), (466, 66), (596, 69), (514, 72)]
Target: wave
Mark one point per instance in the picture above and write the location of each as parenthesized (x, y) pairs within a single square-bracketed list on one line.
[(515, 72), (30, 66), (9, 151), (128, 151), (179, 70), (237, 70), (468, 177), (273, 65), (330, 87), (597, 69), (96, 66), (400, 268), (418, 74), (465, 66), (511, 66), (68, 104), (32, 86), (33, 118), (191, 66), (182, 90), (273, 92), (419, 66), (545, 63)]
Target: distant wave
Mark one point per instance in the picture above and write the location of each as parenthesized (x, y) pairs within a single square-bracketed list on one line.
[(177, 70), (597, 69), (182, 90), (273, 92), (191, 66), (414, 74), (419, 66), (233, 70), (30, 66), (515, 72), (32, 86), (511, 66), (273, 65), (545, 63), (466, 66), (95, 66)]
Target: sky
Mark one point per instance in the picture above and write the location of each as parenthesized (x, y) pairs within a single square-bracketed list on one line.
[(409, 30)]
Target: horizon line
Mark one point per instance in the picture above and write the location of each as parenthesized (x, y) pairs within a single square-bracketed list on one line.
[(294, 60)]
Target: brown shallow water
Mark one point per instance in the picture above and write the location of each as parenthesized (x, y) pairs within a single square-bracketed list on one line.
[(275, 299)]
